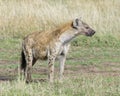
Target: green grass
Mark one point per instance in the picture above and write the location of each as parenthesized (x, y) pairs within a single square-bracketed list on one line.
[(75, 84), (98, 41), (82, 85), (94, 55), (9, 49)]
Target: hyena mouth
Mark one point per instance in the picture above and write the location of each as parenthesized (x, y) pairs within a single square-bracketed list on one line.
[(91, 33)]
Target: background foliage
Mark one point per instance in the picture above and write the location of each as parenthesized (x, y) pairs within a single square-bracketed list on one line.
[(21, 17)]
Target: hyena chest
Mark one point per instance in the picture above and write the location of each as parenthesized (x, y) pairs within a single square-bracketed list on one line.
[(40, 53)]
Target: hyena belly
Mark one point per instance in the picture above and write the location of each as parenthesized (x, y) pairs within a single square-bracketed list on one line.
[(40, 53)]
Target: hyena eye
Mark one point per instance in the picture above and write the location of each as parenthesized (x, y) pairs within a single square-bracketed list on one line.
[(87, 27)]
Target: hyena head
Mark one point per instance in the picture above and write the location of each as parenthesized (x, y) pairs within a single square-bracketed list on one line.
[(82, 27)]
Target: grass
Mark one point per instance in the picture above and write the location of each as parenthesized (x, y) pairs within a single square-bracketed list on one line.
[(10, 47), (93, 64), (83, 85), (103, 81), (94, 55), (19, 18)]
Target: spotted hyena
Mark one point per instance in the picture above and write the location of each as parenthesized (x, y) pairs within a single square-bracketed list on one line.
[(49, 45)]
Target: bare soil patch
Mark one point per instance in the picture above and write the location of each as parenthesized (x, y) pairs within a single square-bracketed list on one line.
[(106, 69)]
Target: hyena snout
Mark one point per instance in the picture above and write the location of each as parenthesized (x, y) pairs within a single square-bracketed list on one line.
[(90, 33)]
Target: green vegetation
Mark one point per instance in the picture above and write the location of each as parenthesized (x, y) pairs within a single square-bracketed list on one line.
[(93, 64), (83, 85), (89, 71)]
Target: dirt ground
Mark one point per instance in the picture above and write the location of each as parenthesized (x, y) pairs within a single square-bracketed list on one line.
[(106, 69)]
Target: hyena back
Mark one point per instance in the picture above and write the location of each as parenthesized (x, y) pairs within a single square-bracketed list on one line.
[(49, 45)]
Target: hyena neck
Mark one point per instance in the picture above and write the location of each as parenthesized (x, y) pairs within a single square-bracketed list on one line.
[(67, 36)]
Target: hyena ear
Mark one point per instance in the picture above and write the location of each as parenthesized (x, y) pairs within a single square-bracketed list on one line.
[(75, 23)]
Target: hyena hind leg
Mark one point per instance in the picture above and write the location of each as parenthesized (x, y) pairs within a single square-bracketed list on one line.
[(29, 63)]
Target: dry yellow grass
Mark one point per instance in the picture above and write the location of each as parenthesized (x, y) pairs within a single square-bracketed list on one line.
[(20, 17)]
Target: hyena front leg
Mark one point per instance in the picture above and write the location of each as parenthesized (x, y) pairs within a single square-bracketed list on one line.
[(62, 60), (29, 59), (51, 61), (53, 52)]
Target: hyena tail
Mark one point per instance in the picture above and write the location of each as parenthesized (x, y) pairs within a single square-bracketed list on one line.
[(23, 61)]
